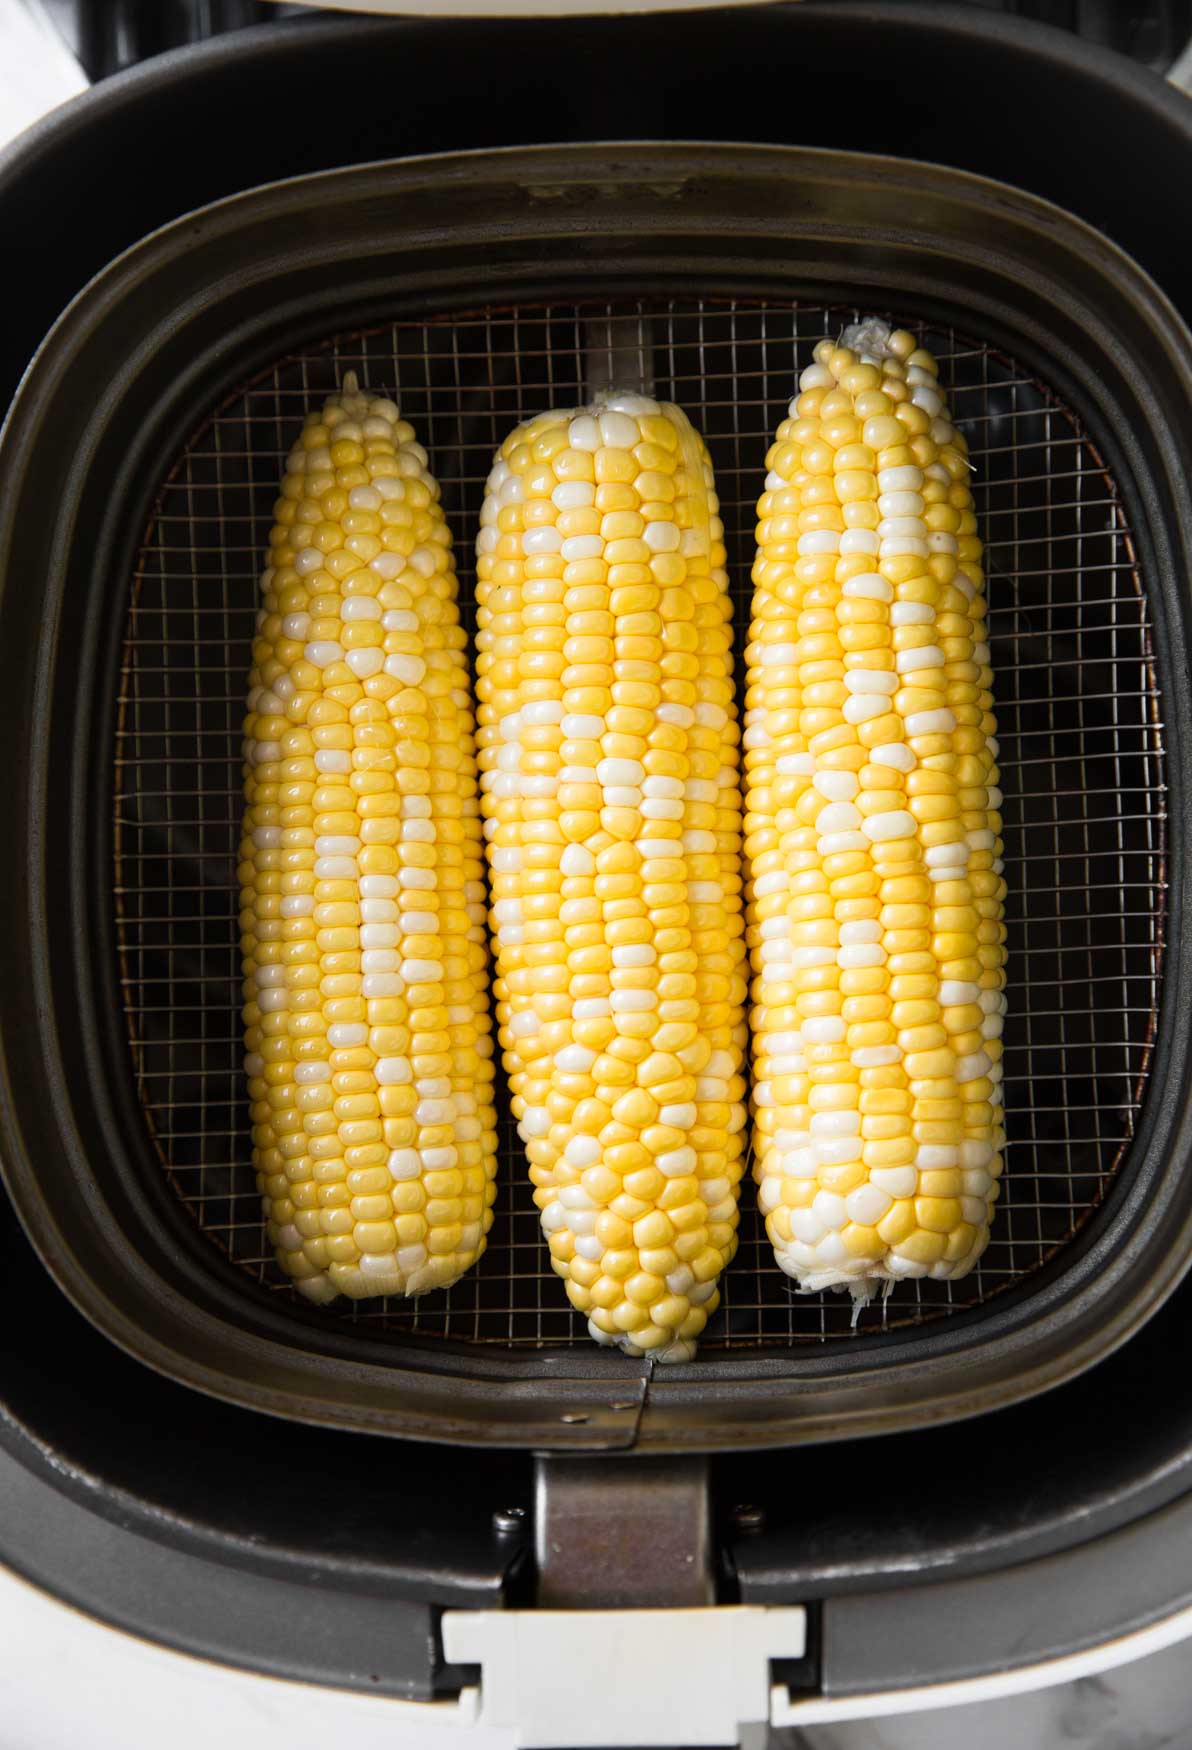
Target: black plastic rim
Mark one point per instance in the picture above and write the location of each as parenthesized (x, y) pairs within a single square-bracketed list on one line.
[(130, 369)]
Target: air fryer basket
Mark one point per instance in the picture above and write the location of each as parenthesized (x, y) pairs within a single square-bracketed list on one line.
[(474, 287), (1079, 727)]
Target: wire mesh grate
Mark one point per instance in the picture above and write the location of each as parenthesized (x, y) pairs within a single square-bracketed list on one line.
[(1080, 730)]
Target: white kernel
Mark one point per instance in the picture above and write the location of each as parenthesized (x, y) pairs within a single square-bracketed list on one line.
[(930, 723), (900, 527), (631, 1001), (823, 1029), (590, 1008), (378, 886), (618, 771), (772, 882), (867, 1204), (335, 869), (387, 566), (525, 1024), (676, 1163), (861, 930), (323, 652), (817, 541), (296, 626), (364, 663), (928, 399), (393, 1072), (405, 667), (582, 547), (876, 1056), (297, 905), (795, 765), (934, 1157), (968, 1069), (895, 1181), (681, 715), (945, 856), (384, 935), (834, 843), (923, 656), (830, 1209), (361, 607), (573, 495), (582, 1151), (543, 539), (661, 808), (269, 975), (336, 845), (423, 879), (835, 1124), (954, 991), (617, 431), (634, 954), (903, 546), (381, 984), (307, 1074), (859, 541), (836, 1151), (664, 787), (816, 377), (583, 433), (837, 786), (838, 817), (911, 614), (803, 958), (939, 541), (807, 1226), (854, 954), (861, 707), (680, 1116), (380, 959), (895, 754), (869, 586), (333, 759), (307, 561), (589, 1247), (895, 823), (661, 537), (982, 840), (905, 479), (871, 680), (634, 404), (578, 727), (901, 504)]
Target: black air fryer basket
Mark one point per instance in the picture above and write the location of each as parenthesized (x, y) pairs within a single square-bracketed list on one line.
[(481, 288)]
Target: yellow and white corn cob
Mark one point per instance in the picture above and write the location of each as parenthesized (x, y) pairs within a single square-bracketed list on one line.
[(369, 1052), (609, 776), (873, 833)]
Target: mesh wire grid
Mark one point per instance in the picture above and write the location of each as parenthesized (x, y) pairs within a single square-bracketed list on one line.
[(1080, 731)]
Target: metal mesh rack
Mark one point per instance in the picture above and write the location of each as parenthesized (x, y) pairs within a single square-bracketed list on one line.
[(1082, 760)]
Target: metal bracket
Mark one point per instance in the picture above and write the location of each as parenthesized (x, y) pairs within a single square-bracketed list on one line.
[(631, 1533), (566, 1679)]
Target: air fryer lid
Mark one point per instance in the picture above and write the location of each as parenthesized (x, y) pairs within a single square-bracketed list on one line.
[(137, 365)]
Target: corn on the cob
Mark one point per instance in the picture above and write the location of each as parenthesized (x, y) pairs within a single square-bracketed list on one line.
[(609, 778), (873, 833), (369, 1054)]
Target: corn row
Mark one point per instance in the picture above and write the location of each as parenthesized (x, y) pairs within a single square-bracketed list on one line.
[(872, 832), (608, 754), (369, 1055)]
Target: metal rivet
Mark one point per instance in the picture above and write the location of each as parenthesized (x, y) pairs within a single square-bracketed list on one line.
[(746, 1517), (509, 1519)]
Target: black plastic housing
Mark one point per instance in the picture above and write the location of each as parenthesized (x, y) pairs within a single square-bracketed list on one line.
[(103, 1459), (133, 367)]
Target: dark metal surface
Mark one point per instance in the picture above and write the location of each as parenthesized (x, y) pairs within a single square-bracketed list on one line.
[(634, 1535), (197, 312), (1080, 726)]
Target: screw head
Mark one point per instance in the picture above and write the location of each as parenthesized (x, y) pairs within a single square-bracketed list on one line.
[(747, 1517), (507, 1520)]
